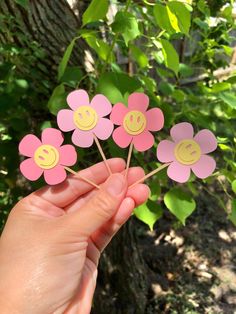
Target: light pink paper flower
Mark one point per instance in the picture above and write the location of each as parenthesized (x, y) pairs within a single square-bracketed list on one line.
[(46, 157), (86, 118), (136, 122), (187, 152)]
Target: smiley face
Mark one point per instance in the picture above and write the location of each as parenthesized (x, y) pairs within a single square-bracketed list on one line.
[(46, 156), (85, 118), (187, 152), (134, 122)]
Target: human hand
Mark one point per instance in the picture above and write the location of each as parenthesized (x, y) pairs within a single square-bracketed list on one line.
[(53, 238)]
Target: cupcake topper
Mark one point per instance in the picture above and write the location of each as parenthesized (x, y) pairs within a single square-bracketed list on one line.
[(48, 157), (135, 124), (87, 120), (186, 152)]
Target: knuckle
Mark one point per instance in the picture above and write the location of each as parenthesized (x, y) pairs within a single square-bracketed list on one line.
[(104, 205)]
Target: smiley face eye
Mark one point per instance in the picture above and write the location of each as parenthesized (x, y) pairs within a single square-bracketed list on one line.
[(45, 151), (131, 118), (189, 146), (138, 119), (41, 157), (88, 113), (80, 115), (193, 153)]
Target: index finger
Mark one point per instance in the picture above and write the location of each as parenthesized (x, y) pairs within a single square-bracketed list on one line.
[(72, 188)]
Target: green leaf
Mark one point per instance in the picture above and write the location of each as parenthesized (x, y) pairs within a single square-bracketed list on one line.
[(234, 186), (149, 213), (102, 49), (71, 76), (171, 57), (179, 203), (228, 98), (139, 56), (225, 147), (166, 88), (202, 24), (65, 59), (116, 85), (232, 215), (162, 18), (45, 125), (126, 24), (220, 87), (23, 3), (58, 99), (96, 11), (185, 70), (180, 17)]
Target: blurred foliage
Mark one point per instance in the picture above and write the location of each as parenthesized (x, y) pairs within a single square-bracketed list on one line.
[(175, 51)]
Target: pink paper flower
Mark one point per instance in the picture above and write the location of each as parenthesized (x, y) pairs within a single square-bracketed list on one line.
[(46, 157), (85, 118), (136, 122), (187, 152)]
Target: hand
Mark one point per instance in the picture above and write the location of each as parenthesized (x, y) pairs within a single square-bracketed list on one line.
[(52, 241)]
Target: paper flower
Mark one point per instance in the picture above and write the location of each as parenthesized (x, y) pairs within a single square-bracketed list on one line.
[(187, 152), (136, 122), (46, 157), (85, 118)]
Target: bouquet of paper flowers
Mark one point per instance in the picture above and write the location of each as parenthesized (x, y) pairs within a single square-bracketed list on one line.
[(92, 121)]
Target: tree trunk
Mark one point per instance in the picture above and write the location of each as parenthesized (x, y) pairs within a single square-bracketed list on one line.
[(122, 287), (52, 24), (122, 281)]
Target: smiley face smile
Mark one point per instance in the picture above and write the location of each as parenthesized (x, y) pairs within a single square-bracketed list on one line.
[(187, 152), (46, 156), (85, 118), (134, 122)]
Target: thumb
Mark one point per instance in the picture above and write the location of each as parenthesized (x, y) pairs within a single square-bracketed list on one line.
[(101, 207)]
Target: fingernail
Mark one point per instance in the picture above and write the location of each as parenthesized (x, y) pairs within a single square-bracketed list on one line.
[(115, 184)]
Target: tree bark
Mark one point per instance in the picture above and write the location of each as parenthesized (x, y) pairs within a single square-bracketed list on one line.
[(52, 24), (122, 281)]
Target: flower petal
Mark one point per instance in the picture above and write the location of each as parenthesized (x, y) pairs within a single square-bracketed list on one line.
[(207, 141), (143, 141), (118, 113), (52, 137), (82, 138), (121, 137), (65, 120), (30, 170), (101, 105), (155, 119), (55, 175), (103, 129), (68, 155), (204, 167), (178, 172), (138, 101), (28, 145), (165, 151), (181, 131), (78, 98)]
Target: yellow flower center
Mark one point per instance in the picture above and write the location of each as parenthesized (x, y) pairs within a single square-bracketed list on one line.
[(187, 152), (46, 156), (85, 118), (134, 122)]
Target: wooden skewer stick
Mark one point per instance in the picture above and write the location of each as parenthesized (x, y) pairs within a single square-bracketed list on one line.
[(129, 158), (150, 175), (102, 153), (83, 178)]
